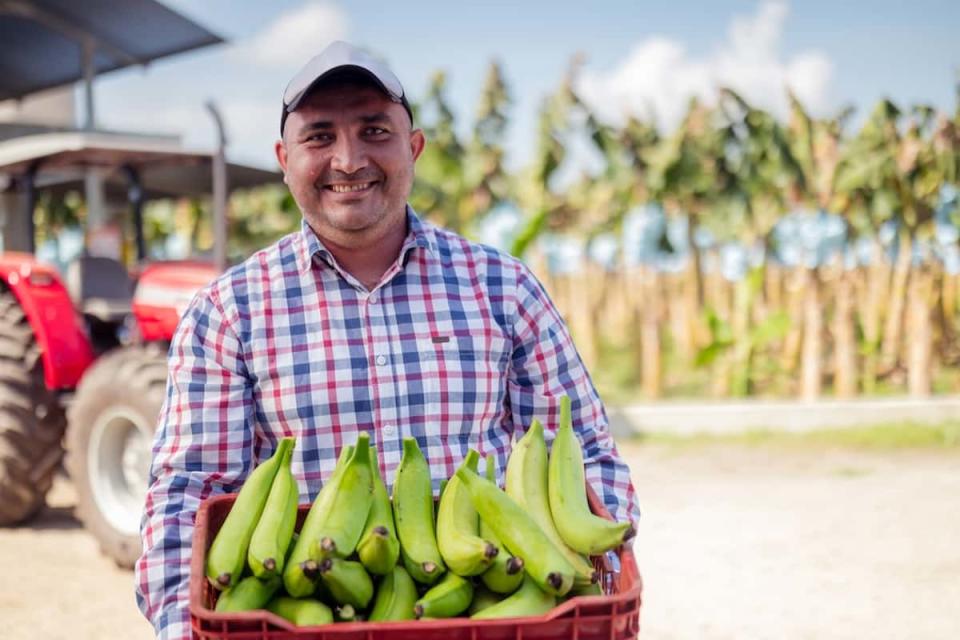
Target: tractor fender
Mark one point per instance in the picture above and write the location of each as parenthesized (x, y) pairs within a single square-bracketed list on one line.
[(163, 292), (57, 327)]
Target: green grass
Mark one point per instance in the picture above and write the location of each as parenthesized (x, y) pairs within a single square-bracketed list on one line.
[(890, 436)]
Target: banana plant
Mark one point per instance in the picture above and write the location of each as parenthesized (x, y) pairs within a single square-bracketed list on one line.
[(814, 145), (440, 185), (533, 189), (486, 182), (753, 161), (893, 164)]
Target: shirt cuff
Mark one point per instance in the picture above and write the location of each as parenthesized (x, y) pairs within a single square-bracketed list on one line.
[(175, 625)]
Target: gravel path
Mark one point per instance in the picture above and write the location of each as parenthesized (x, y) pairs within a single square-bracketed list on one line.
[(766, 543), (734, 543)]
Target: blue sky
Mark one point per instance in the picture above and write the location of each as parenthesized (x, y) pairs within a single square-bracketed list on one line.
[(641, 56)]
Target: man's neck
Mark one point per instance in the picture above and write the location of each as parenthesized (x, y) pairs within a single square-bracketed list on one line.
[(369, 259)]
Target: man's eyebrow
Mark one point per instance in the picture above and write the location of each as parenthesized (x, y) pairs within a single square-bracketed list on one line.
[(319, 124), (374, 118), (379, 117)]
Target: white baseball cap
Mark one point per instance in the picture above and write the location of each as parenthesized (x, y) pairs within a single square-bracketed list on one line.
[(341, 56)]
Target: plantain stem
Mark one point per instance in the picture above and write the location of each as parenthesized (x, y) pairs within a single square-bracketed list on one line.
[(310, 569)]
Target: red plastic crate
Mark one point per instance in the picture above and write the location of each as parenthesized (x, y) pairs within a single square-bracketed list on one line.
[(613, 616)]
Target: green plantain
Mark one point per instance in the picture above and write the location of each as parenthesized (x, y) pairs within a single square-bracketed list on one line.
[(301, 612), (519, 533), (248, 594), (528, 600), (346, 613), (413, 513), (349, 508), (526, 481), (271, 538), (458, 526), (580, 529), (449, 597), (506, 572), (379, 547), (483, 598), (228, 553), (347, 580), (396, 597), (301, 571)]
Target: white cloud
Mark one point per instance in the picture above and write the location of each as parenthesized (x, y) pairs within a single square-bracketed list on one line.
[(295, 36), (183, 120), (252, 128), (659, 76)]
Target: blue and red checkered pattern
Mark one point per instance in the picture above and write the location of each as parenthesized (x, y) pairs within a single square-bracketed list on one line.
[(458, 346)]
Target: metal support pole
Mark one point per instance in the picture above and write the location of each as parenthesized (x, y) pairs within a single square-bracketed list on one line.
[(220, 190), (92, 180), (29, 204), (135, 197), (89, 48)]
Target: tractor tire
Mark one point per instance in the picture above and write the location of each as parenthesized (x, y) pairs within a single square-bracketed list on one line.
[(31, 419), (111, 423)]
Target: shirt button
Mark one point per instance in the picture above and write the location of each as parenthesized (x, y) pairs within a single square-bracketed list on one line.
[(373, 298), (389, 430), (381, 360)]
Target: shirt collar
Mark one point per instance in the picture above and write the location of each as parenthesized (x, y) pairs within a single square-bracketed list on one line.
[(419, 234)]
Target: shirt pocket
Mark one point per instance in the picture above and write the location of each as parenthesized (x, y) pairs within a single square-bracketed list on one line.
[(464, 385)]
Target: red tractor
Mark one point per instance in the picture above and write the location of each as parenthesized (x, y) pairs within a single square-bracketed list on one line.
[(83, 352)]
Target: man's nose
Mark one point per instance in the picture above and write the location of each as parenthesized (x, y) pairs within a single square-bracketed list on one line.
[(348, 155)]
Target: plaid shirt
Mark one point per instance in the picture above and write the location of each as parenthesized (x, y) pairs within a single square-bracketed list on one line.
[(458, 346)]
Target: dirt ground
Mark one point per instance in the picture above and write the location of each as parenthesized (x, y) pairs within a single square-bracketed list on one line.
[(734, 543)]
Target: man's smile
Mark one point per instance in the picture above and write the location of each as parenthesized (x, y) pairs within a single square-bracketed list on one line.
[(350, 188)]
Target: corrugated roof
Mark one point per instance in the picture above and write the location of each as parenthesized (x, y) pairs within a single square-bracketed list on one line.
[(41, 40)]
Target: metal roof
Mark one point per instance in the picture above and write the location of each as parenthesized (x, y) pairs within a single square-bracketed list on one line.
[(42, 42), (60, 160)]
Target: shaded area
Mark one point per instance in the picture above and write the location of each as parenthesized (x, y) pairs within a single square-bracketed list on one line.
[(43, 42)]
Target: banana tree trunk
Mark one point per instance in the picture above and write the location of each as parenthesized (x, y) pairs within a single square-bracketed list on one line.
[(811, 372), (650, 367), (844, 336), (740, 373), (619, 322), (947, 311), (695, 268), (682, 319), (795, 285), (537, 260), (876, 287), (773, 287), (721, 373), (633, 290), (893, 329), (920, 346), (582, 304)]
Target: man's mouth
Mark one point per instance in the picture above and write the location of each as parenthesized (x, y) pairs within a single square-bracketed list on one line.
[(350, 188)]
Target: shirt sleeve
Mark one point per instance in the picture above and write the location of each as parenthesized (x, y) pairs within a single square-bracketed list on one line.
[(545, 365), (203, 447)]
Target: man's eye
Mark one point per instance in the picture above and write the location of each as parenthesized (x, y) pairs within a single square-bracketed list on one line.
[(376, 131)]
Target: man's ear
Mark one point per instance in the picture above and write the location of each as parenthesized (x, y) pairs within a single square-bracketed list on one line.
[(417, 142), (281, 150)]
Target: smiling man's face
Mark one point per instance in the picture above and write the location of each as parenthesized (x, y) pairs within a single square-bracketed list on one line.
[(348, 153)]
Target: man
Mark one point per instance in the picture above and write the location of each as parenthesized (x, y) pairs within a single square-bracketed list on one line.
[(366, 320)]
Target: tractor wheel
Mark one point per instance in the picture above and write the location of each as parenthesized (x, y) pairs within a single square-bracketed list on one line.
[(31, 419), (111, 424)]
